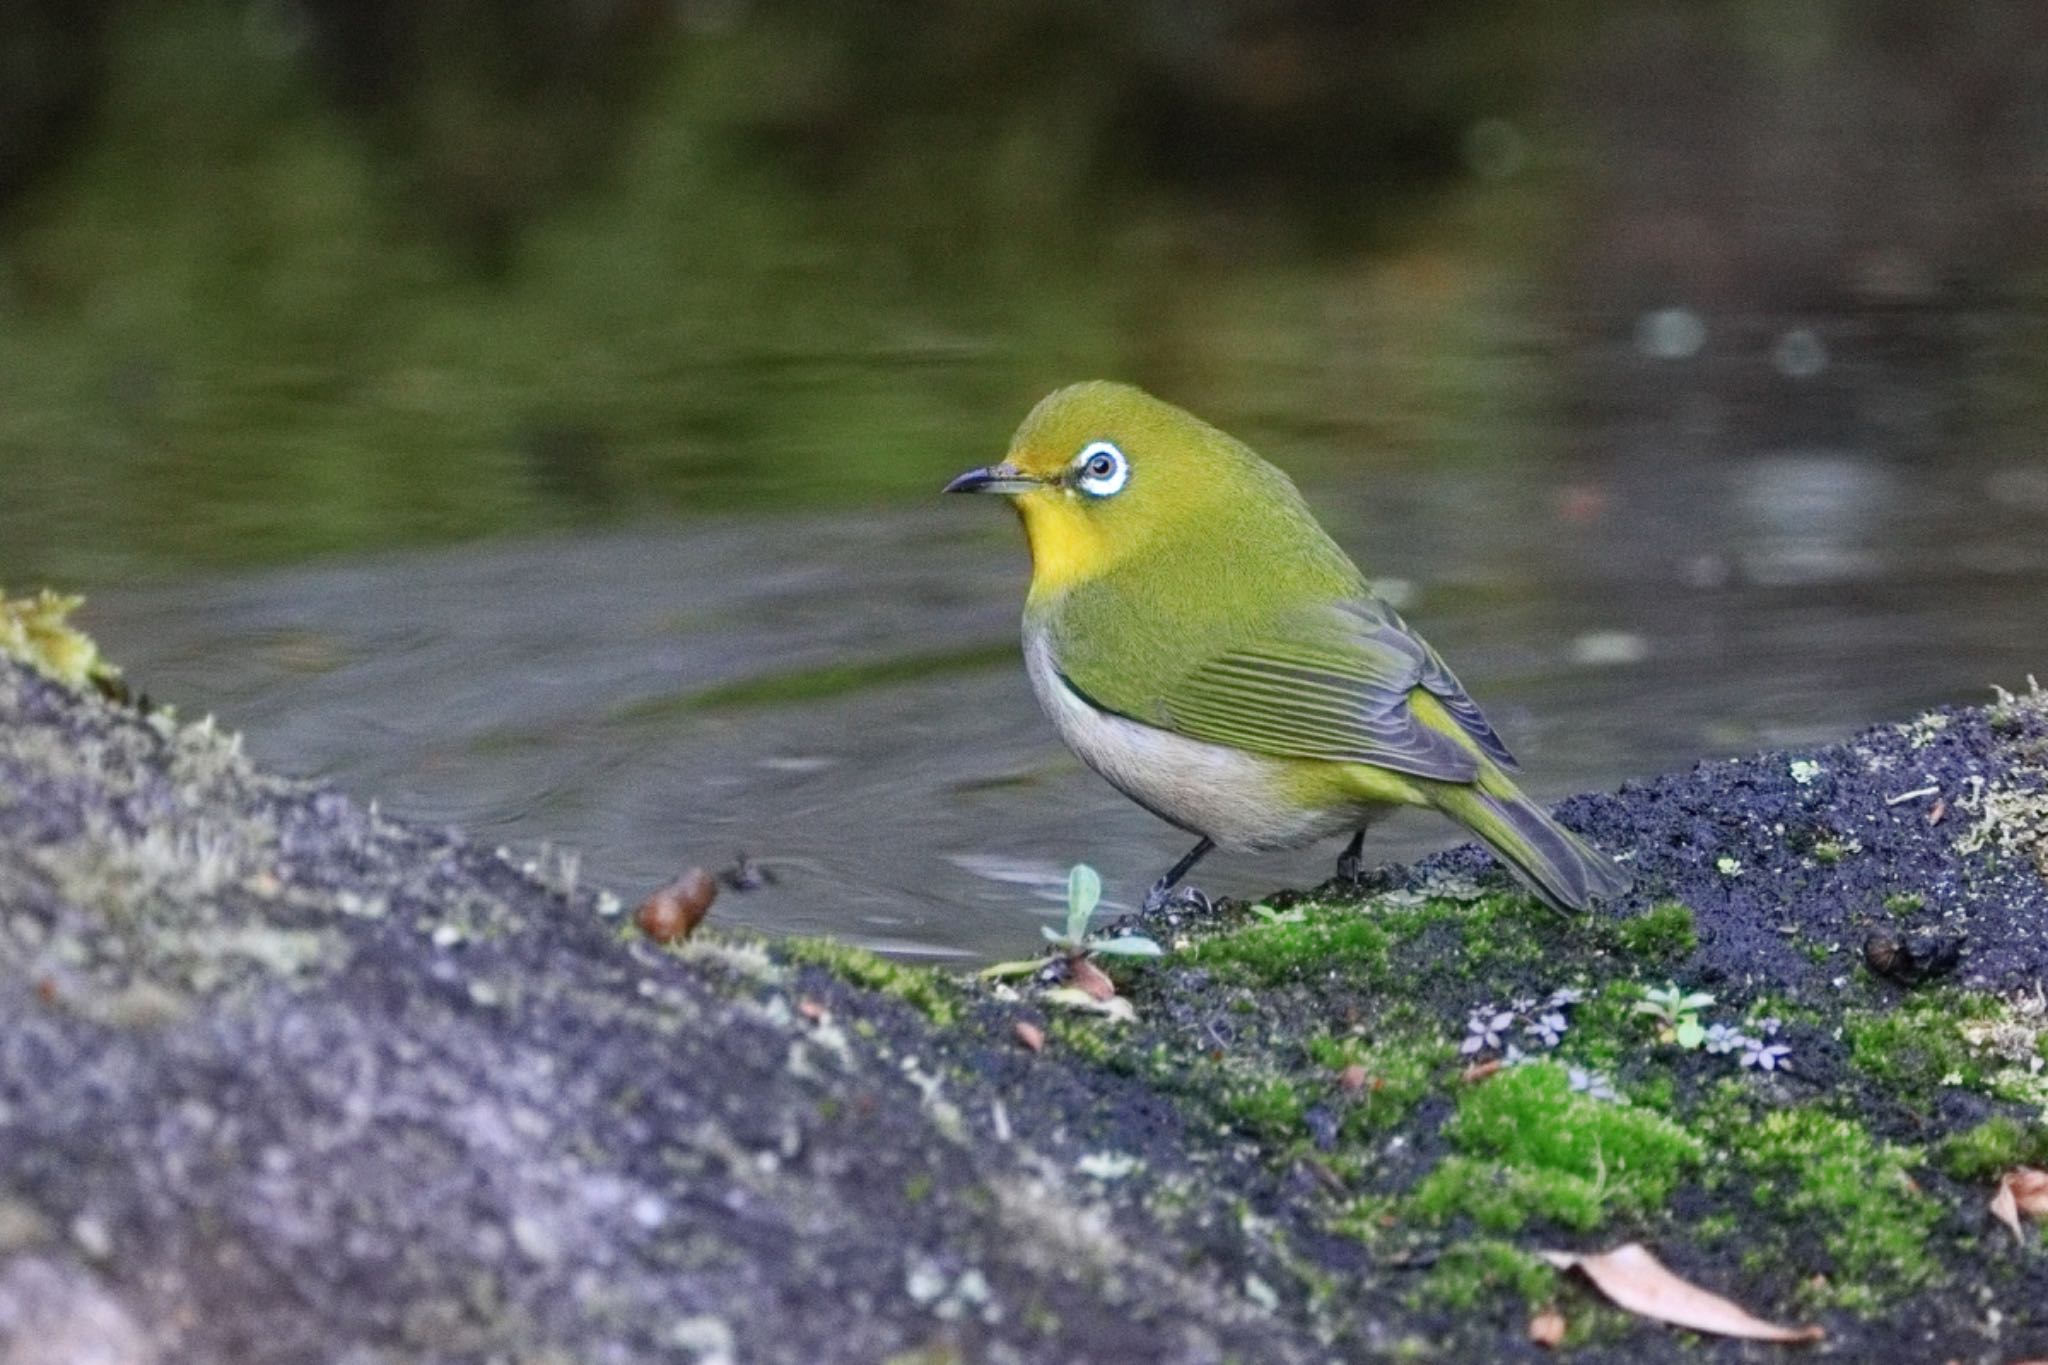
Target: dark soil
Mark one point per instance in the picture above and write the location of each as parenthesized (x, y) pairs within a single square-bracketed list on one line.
[(282, 1080)]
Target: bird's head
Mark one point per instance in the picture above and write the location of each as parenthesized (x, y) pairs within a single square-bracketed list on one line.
[(1098, 471)]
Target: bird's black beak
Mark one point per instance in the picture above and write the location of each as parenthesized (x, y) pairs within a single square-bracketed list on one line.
[(995, 478)]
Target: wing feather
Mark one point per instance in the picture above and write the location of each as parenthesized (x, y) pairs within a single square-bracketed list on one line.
[(1337, 685)]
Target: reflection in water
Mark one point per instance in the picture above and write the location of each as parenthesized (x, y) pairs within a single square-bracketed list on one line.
[(1811, 516)]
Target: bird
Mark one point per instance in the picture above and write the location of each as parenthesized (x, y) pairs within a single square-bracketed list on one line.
[(1201, 643)]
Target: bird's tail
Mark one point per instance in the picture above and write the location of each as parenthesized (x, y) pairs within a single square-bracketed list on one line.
[(1563, 870)]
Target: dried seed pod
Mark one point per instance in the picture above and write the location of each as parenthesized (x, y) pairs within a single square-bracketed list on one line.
[(675, 911), (1911, 961)]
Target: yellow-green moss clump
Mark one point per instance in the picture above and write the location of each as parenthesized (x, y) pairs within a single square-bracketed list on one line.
[(1479, 1271), (1992, 1148), (1663, 931), (930, 993), (36, 631), (1314, 940), (1531, 1147), (1951, 1038), (1826, 1177)]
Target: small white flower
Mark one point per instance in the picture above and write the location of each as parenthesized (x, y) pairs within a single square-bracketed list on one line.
[(1483, 1028), (1766, 1056), (1723, 1038)]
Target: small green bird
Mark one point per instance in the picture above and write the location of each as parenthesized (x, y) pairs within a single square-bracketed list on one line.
[(1203, 645)]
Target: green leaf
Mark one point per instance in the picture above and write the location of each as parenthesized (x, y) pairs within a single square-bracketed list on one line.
[(1084, 892), (1690, 1034)]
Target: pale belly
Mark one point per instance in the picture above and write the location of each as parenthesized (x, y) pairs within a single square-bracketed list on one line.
[(1240, 800)]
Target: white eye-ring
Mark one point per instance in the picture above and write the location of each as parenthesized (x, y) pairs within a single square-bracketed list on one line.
[(1101, 470)]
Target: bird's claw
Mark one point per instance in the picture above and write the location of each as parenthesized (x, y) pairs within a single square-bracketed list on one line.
[(1163, 898)]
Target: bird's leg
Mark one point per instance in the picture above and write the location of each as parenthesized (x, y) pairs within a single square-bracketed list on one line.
[(1351, 861), (1162, 895)]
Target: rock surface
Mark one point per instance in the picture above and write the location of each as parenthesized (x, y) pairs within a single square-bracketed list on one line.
[(282, 1080)]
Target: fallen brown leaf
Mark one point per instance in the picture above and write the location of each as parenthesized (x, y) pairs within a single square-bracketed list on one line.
[(677, 909), (1351, 1079), (1479, 1071), (1940, 809), (2022, 1192), (1547, 1328), (813, 1010), (1637, 1281), (2006, 1210), (1084, 975), (1029, 1034)]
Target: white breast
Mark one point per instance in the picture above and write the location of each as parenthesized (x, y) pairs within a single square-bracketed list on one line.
[(1233, 797)]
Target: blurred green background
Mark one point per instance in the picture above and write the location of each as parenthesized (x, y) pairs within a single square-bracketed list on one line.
[(289, 279), (529, 410)]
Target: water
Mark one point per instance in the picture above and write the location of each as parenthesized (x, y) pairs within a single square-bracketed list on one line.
[(838, 695)]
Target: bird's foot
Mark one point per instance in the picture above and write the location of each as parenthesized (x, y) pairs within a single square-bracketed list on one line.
[(1351, 862), (1164, 898)]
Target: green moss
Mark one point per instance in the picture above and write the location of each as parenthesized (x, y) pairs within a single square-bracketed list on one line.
[(1904, 903), (1479, 1271), (1815, 951), (1326, 940), (1364, 943), (1663, 931), (1918, 1046), (1826, 1177), (1400, 1068), (1992, 1148), (1504, 930), (1269, 1109), (931, 993), (1605, 1028), (1082, 1038), (1531, 1147), (37, 631), (1502, 1198)]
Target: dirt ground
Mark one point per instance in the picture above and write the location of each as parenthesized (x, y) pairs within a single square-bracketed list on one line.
[(283, 1080)]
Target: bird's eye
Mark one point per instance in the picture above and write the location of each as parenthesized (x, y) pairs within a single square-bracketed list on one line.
[(1101, 469)]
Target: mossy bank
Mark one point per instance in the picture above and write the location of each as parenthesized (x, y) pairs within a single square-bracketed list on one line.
[(281, 1079)]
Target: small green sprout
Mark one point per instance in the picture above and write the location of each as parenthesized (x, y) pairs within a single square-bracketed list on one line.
[(1084, 892), (1677, 1013), (1266, 914), (1074, 942)]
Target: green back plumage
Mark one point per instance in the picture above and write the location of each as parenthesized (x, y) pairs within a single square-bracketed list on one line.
[(1227, 614)]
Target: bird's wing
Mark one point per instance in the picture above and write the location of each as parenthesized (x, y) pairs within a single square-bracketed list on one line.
[(1336, 684)]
